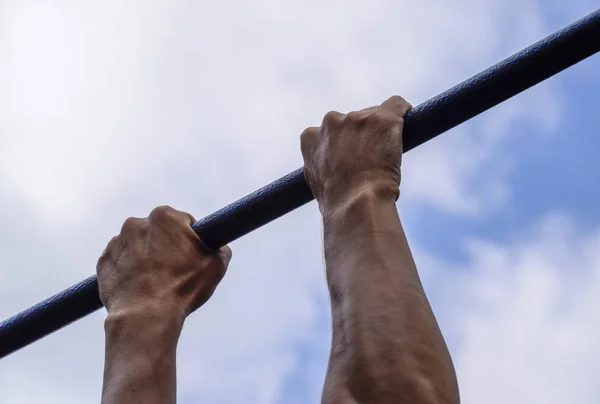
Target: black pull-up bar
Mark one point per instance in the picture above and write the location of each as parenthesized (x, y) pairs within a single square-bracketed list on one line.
[(424, 122)]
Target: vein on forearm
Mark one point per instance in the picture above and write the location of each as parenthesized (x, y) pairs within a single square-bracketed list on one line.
[(386, 341)]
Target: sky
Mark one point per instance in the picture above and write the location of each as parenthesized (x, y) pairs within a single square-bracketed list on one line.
[(109, 109)]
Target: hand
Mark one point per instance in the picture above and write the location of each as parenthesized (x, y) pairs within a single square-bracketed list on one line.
[(352, 152), (159, 264)]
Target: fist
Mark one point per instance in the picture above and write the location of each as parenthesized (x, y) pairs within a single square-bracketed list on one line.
[(357, 151), (159, 263)]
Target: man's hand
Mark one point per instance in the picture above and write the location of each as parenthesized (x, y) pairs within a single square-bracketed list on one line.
[(355, 151), (151, 276), (159, 263), (386, 345)]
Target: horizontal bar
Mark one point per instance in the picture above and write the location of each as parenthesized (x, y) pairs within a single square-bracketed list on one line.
[(498, 83)]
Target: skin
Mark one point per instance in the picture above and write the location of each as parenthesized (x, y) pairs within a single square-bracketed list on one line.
[(151, 277), (386, 344)]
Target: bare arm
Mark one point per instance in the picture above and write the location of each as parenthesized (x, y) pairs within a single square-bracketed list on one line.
[(151, 276), (387, 346), (140, 357)]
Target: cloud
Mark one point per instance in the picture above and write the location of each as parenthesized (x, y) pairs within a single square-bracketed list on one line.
[(97, 97), (529, 321), (107, 111)]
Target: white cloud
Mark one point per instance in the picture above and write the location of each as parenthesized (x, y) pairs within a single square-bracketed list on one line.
[(525, 314), (107, 111), (99, 96)]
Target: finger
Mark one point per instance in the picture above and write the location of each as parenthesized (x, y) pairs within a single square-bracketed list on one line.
[(132, 223), (308, 139), (397, 105), (106, 253), (188, 218), (169, 214), (360, 116), (367, 111), (162, 214), (225, 254), (333, 119), (114, 240)]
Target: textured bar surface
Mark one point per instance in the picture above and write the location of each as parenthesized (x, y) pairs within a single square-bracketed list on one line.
[(424, 122)]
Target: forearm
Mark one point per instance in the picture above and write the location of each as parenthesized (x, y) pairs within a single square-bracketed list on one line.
[(140, 358), (387, 346)]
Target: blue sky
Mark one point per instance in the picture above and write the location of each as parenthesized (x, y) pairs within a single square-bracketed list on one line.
[(107, 111), (553, 172)]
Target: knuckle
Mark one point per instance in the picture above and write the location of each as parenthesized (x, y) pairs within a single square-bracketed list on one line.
[(228, 253), (308, 132), (130, 223), (397, 99), (356, 117), (161, 212), (400, 104), (189, 217), (306, 137), (333, 118), (107, 253), (111, 244), (309, 144), (101, 261), (220, 270), (382, 118)]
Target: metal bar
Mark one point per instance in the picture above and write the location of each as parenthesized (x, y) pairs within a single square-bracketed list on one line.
[(498, 83)]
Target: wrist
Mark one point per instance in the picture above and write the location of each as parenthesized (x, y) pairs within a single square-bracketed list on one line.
[(140, 356), (360, 224), (358, 198), (144, 325), (145, 310)]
